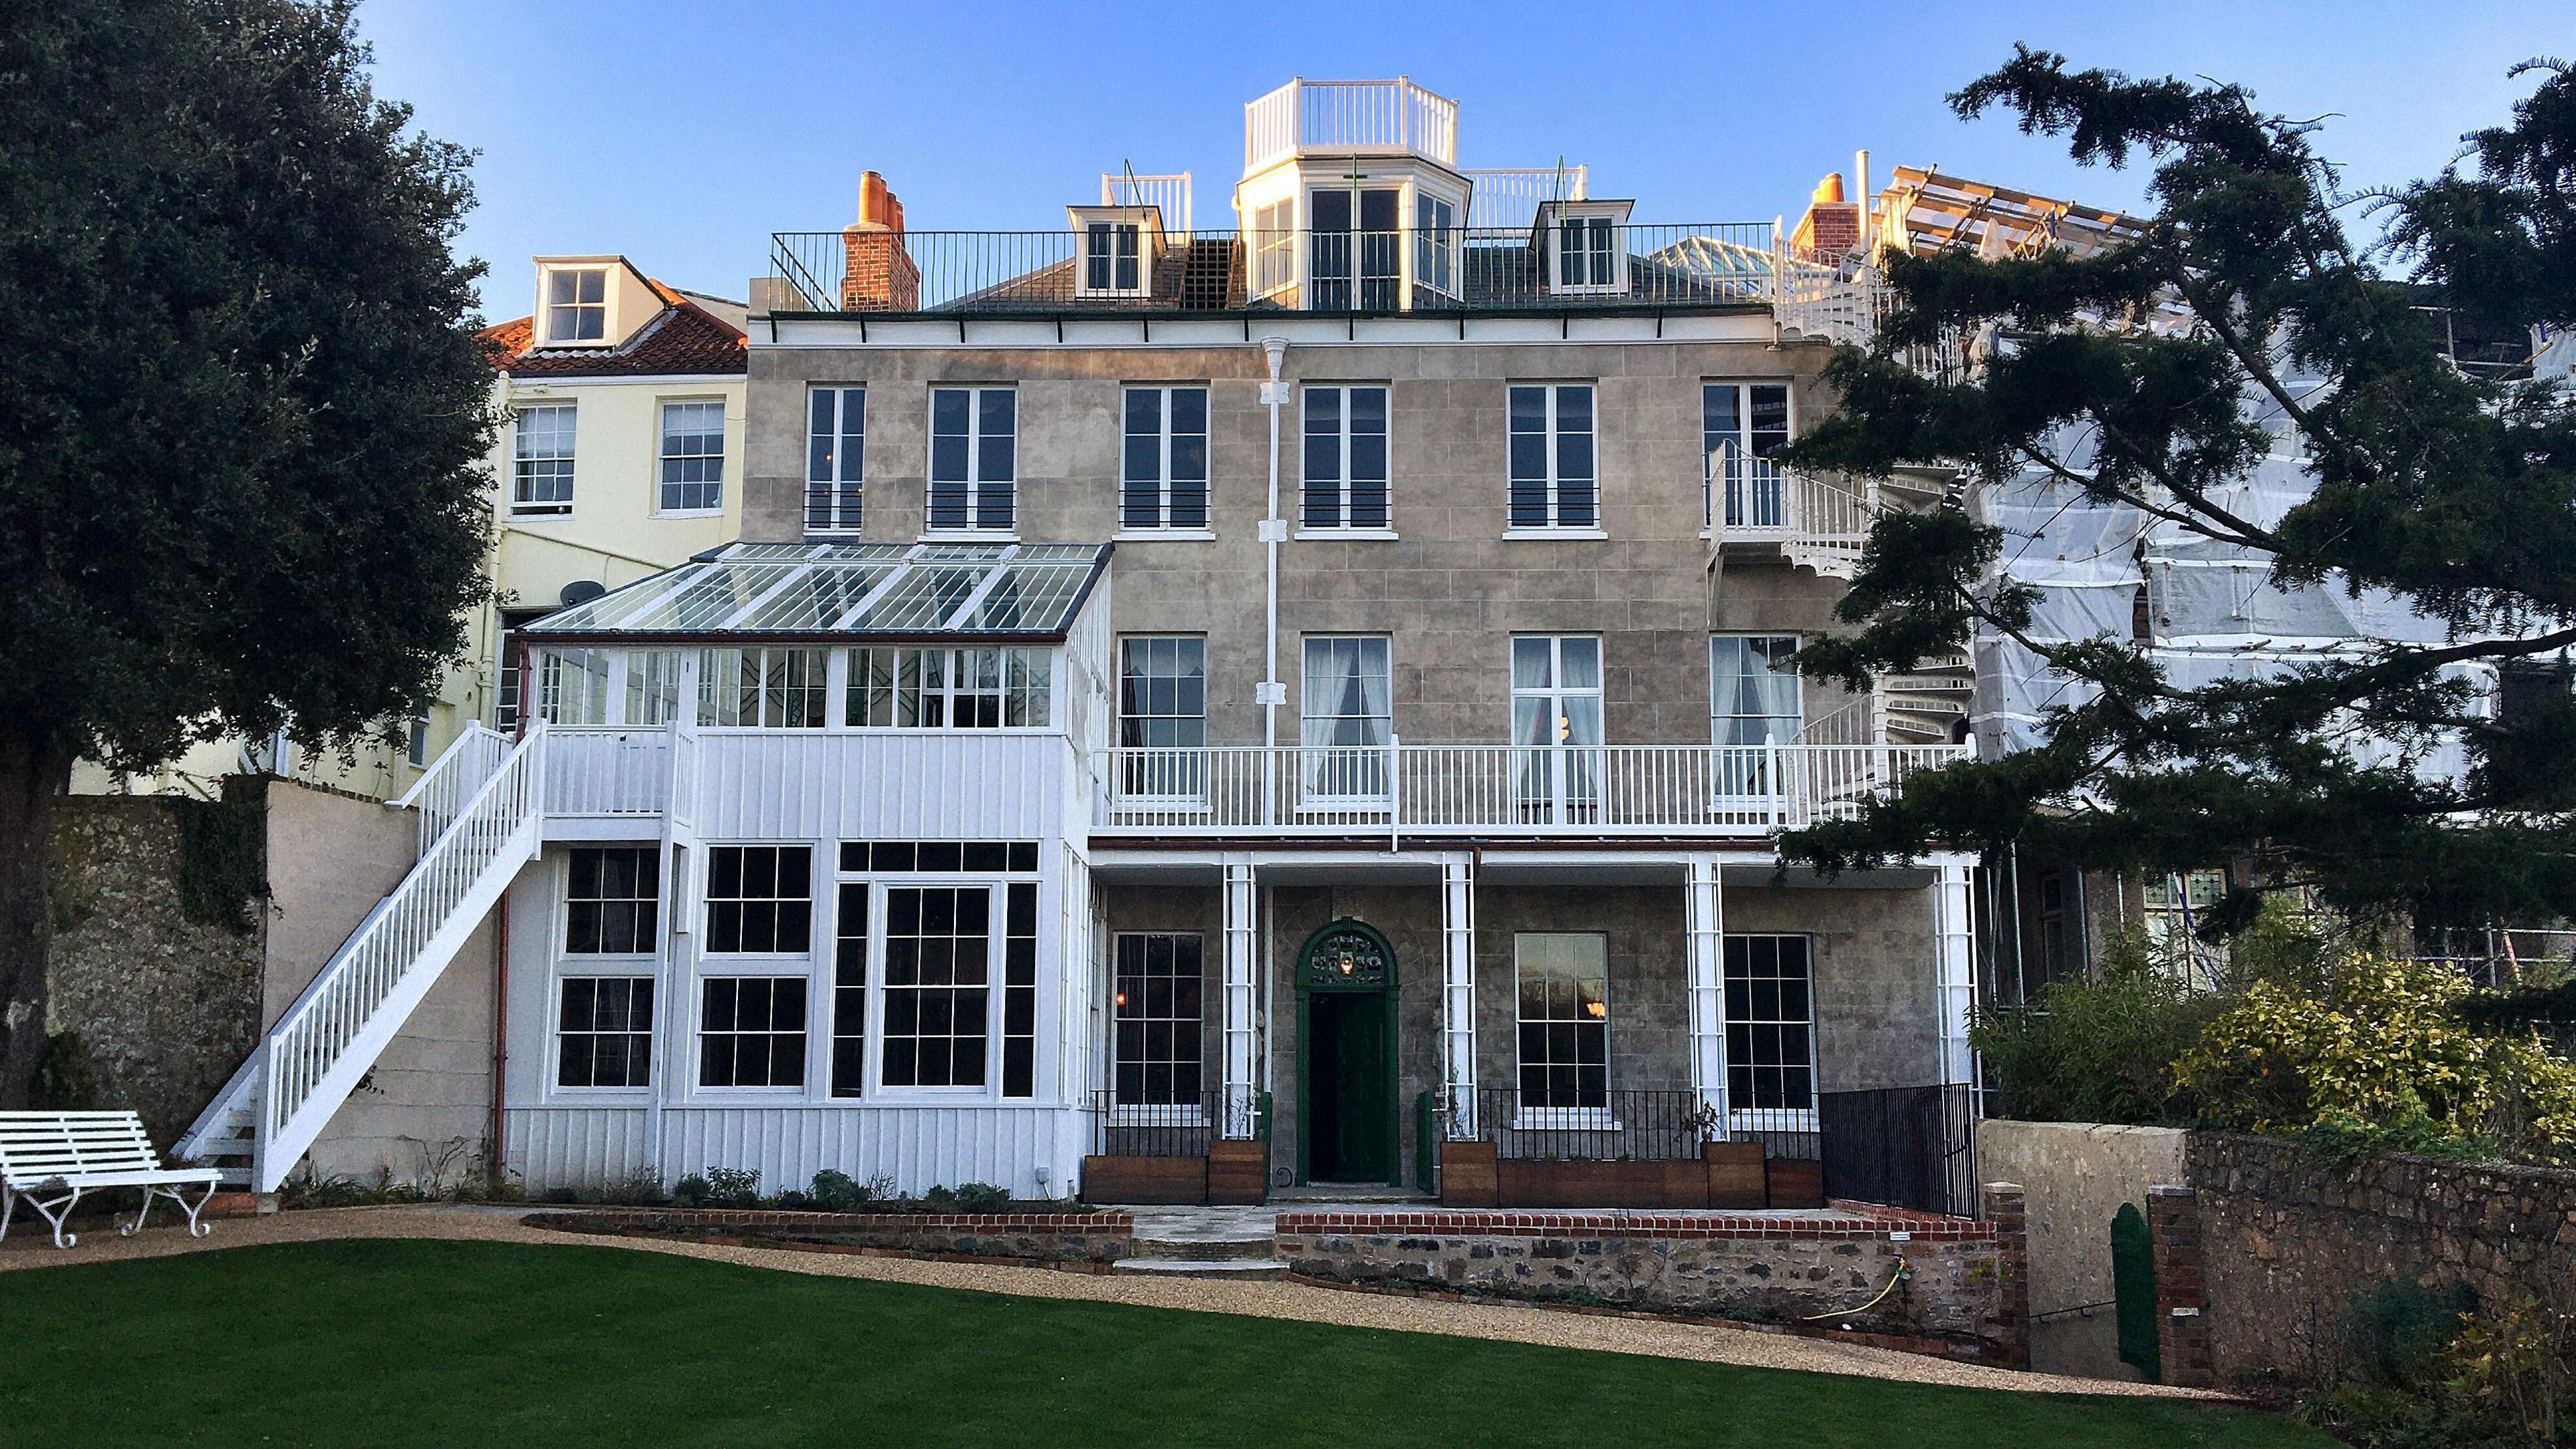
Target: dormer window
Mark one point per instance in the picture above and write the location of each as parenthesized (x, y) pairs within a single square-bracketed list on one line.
[(1109, 256), (1117, 247), (576, 305), (1586, 250)]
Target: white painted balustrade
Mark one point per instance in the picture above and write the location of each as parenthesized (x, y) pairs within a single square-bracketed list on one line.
[(1572, 790), (333, 1033)]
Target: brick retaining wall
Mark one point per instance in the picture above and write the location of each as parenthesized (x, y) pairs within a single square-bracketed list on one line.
[(1097, 1237)]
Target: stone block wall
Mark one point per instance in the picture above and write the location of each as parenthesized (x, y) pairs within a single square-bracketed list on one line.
[(1079, 1237), (2287, 1240), (1755, 1267)]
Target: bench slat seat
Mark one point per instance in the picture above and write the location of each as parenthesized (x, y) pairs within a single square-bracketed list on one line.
[(73, 1153)]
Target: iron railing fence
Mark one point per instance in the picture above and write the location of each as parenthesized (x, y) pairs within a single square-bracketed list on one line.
[(1410, 269), (1908, 1147), (1593, 1124), (1180, 1127)]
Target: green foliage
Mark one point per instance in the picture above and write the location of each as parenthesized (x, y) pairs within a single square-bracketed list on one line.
[(2377, 1055), (2100, 1050), (982, 1197), (835, 1191), (2454, 492), (733, 1187), (68, 1081), (690, 1192), (2426, 1368), (223, 857)]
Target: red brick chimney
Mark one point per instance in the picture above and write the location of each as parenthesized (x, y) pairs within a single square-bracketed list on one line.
[(880, 275), (1831, 227)]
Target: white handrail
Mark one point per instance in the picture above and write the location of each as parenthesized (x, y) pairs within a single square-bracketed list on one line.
[(319, 1048), (1396, 790), (442, 790)]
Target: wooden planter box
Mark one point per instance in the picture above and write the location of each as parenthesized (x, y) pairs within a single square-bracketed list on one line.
[(1797, 1182), (1737, 1174), (1238, 1173), (1171, 1180), (1467, 1175), (1675, 1184)]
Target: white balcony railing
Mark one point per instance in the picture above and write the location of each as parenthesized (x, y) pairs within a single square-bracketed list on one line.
[(1575, 790), (1369, 115), (607, 770)]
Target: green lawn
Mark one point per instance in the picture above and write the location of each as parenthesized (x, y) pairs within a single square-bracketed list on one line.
[(390, 1342)]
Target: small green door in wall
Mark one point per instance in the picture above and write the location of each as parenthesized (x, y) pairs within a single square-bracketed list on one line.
[(1347, 1129), (2133, 1289)]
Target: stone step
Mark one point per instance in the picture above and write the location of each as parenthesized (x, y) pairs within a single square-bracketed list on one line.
[(1208, 1249), (1231, 1269)]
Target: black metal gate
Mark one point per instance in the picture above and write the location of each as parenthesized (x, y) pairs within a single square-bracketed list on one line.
[(1908, 1147)]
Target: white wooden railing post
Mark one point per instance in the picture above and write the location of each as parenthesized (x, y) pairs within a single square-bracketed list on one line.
[(1705, 909), (1394, 791), (1458, 992)]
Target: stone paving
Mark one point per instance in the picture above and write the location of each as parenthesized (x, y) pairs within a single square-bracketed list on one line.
[(1490, 1321)]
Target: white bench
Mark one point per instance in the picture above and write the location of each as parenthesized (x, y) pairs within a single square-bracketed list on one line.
[(67, 1154)]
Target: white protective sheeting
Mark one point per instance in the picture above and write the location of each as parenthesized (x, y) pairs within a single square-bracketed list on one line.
[(2213, 609)]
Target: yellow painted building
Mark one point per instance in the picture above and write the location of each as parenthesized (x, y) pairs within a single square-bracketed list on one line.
[(619, 454)]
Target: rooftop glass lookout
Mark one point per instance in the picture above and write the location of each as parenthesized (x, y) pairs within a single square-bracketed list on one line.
[(1351, 202)]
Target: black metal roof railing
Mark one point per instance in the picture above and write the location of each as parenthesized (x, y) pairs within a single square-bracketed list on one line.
[(1611, 266)]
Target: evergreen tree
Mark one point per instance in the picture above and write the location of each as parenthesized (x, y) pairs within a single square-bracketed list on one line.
[(2453, 490), (238, 465)]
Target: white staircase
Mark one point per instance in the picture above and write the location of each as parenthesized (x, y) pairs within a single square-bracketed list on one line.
[(482, 811)]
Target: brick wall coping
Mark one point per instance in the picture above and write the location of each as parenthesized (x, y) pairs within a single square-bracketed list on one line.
[(1839, 1222), (1113, 1223)]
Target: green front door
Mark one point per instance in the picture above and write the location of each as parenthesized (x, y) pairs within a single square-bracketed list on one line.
[(1347, 1130)]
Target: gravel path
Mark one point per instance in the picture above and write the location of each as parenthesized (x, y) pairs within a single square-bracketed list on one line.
[(1501, 1323)]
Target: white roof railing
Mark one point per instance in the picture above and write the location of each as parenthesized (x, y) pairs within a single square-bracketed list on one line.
[(1169, 192), (1366, 115), (1509, 197)]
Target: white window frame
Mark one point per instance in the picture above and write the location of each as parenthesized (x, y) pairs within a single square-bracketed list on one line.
[(1743, 768), (739, 969), (523, 475), (1172, 776), (569, 969), (1528, 1118), (1554, 479), (1187, 1110), (836, 460), (910, 668), (756, 659), (1437, 233), (563, 944), (1592, 223), (1345, 507), (1740, 1116), (559, 669), (976, 524), (1274, 249), (1568, 775), (1318, 770), (721, 962), (545, 322), (664, 459), (1164, 395), (881, 992), (1126, 244), (1714, 495)]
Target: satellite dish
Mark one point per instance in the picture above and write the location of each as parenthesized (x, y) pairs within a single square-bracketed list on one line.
[(582, 591)]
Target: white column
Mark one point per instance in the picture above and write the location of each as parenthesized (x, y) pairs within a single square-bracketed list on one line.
[(1241, 921), (1954, 968), (1705, 921), (1458, 989)]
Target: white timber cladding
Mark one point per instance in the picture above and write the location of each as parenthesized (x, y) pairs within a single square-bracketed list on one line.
[(1242, 1091), (1954, 963), (1458, 990), (1705, 920)]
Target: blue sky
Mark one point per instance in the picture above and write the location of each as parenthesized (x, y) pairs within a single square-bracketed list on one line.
[(683, 134)]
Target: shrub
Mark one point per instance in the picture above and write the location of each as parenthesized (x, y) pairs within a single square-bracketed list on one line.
[(834, 1192), (2096, 1051), (982, 1197), (690, 1192), (68, 1080), (733, 1187), (640, 1188), (2378, 1047), (2425, 1369)]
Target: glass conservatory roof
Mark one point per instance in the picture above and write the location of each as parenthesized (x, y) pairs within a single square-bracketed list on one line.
[(843, 590)]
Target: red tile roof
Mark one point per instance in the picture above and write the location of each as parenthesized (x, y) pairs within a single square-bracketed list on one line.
[(682, 338)]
